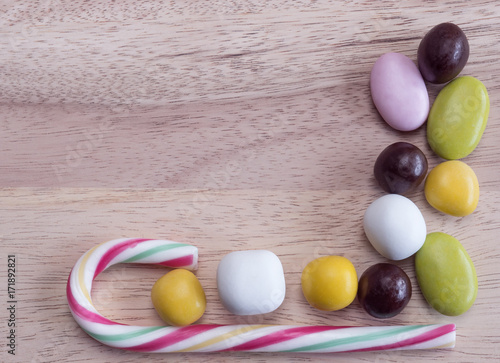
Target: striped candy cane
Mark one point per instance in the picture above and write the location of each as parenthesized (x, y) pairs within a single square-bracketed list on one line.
[(219, 338)]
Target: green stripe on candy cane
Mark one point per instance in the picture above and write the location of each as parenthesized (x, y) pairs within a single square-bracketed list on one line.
[(154, 250), (362, 338), (118, 337)]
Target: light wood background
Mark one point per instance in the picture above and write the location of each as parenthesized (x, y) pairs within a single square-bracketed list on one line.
[(230, 125)]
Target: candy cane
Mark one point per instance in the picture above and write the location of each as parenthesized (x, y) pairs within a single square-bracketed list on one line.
[(219, 338)]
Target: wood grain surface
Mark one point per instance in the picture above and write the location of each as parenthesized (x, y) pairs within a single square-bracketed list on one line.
[(230, 125)]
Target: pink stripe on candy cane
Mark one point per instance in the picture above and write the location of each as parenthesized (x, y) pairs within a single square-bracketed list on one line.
[(178, 335), (84, 313), (115, 251), (178, 262), (433, 334), (280, 336)]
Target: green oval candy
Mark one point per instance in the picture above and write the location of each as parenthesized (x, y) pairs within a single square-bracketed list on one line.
[(458, 118), (446, 274)]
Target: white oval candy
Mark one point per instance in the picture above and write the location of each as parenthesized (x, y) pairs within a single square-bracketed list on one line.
[(251, 282), (394, 226)]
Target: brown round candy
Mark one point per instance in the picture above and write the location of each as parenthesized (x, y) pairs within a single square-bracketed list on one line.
[(384, 290), (400, 168)]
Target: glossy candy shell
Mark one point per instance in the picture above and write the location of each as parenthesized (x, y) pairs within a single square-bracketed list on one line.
[(399, 92), (446, 274), (452, 188), (458, 118)]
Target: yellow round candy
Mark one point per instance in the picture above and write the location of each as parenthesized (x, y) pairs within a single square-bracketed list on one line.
[(330, 283), (452, 188), (179, 298)]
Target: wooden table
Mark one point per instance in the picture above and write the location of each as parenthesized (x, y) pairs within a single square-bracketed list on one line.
[(228, 125)]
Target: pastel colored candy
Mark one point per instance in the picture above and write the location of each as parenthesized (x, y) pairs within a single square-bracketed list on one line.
[(178, 297), (458, 118), (446, 274), (452, 188), (329, 283), (394, 226), (251, 282), (398, 91)]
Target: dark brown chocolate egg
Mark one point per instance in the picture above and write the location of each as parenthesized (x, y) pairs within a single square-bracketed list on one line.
[(443, 53)]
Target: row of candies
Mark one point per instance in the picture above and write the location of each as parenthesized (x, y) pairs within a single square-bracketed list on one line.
[(252, 282), (455, 124)]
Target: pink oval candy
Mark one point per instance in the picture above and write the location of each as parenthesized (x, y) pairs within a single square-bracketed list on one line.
[(398, 91)]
